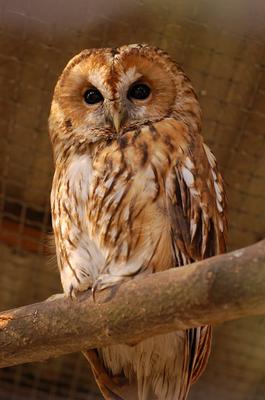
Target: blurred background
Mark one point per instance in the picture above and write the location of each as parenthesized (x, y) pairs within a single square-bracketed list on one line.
[(221, 46)]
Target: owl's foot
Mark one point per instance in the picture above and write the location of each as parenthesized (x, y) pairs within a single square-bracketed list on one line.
[(75, 281), (104, 281), (74, 290)]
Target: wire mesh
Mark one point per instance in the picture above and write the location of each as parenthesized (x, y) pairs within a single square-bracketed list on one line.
[(221, 46)]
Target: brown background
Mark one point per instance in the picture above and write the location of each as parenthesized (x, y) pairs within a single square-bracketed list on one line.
[(221, 45)]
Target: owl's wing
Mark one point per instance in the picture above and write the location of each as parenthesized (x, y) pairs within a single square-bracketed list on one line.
[(197, 207)]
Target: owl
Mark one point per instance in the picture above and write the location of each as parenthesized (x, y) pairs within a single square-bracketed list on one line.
[(135, 191)]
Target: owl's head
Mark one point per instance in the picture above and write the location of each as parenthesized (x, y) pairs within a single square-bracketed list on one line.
[(102, 93)]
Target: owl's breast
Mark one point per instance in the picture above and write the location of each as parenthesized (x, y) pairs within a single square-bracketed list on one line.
[(110, 206), (127, 207)]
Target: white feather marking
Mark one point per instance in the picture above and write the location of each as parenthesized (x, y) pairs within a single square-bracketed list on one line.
[(193, 227), (126, 213), (79, 175), (217, 191), (118, 195), (99, 191), (63, 226), (194, 192), (209, 155), (219, 207), (188, 163), (214, 174), (105, 219), (109, 182), (128, 77), (187, 176), (97, 77)]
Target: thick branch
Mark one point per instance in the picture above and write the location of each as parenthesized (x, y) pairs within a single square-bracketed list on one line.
[(219, 289)]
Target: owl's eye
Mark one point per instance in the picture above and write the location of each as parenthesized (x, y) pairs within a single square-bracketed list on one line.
[(139, 91), (93, 96)]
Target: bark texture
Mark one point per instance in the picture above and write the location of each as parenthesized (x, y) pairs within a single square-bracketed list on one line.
[(212, 291)]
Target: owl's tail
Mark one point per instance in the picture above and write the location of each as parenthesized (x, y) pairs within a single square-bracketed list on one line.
[(159, 368), (111, 387)]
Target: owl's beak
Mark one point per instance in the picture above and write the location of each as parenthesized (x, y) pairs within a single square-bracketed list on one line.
[(117, 118), (115, 114)]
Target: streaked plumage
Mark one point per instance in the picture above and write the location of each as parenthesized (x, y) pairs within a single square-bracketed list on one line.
[(135, 191)]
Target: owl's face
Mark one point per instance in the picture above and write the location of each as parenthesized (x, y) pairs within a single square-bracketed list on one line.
[(104, 92)]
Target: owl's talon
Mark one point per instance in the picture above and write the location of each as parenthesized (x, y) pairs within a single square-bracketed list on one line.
[(105, 281), (72, 293), (93, 290), (97, 285)]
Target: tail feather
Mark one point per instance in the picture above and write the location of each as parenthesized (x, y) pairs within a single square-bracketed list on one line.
[(111, 387), (159, 368)]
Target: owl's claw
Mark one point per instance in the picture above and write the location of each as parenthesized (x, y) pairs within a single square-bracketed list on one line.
[(72, 293), (93, 290), (104, 281), (98, 285)]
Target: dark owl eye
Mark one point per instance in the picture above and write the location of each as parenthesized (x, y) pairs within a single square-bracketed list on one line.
[(139, 91), (92, 96)]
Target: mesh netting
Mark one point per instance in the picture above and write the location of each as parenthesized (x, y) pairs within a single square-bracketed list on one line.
[(221, 46)]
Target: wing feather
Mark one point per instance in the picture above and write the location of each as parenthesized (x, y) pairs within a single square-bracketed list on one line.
[(197, 209)]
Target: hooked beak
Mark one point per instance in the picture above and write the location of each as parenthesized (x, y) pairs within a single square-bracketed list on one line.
[(117, 119), (115, 114)]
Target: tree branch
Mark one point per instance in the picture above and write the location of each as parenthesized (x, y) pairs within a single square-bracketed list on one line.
[(218, 289)]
